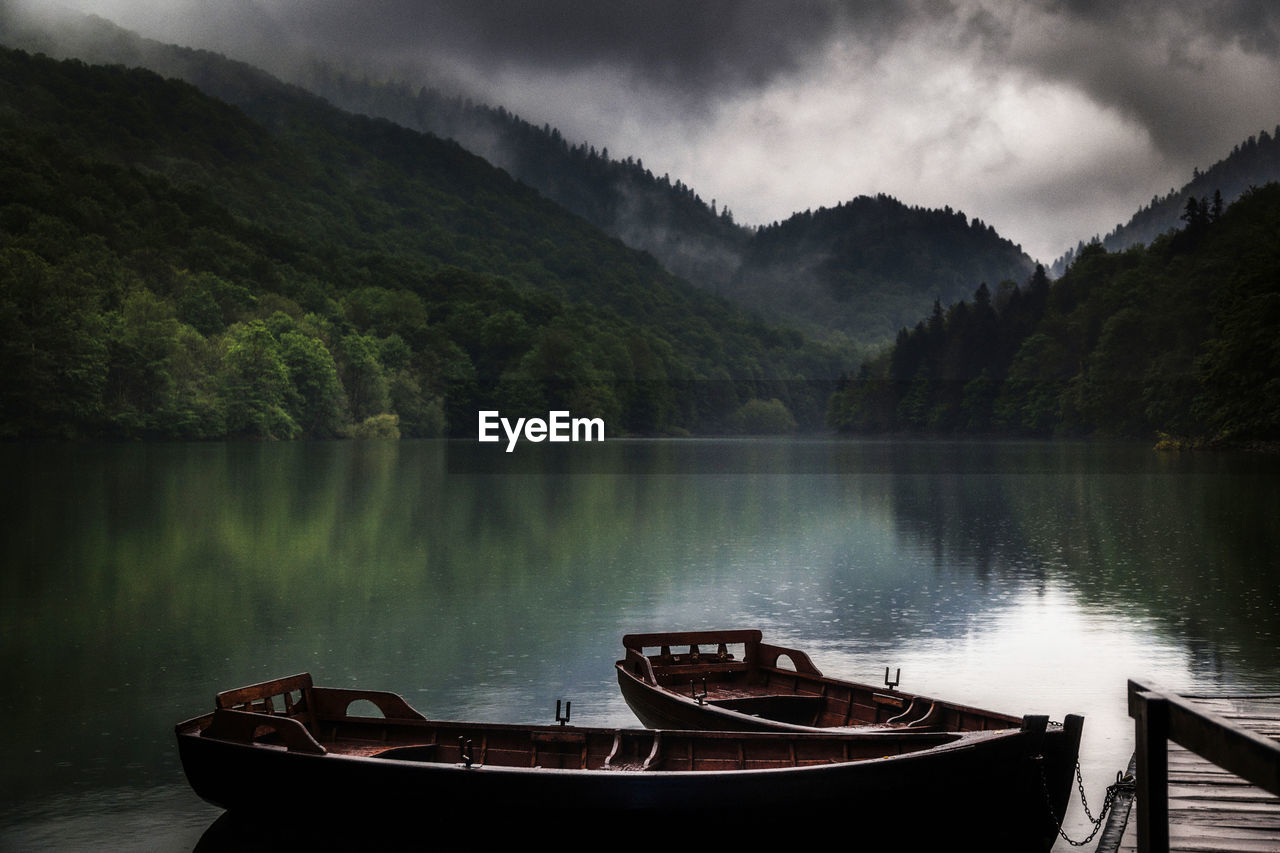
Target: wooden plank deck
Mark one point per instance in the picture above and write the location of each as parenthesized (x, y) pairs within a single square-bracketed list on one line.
[(1210, 809)]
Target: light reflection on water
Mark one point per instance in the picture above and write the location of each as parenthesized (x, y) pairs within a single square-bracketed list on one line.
[(1029, 578)]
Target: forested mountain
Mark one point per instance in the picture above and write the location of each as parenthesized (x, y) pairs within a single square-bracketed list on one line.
[(868, 267), (621, 197), (1252, 163), (856, 273), (1176, 338), (238, 257), (173, 265)]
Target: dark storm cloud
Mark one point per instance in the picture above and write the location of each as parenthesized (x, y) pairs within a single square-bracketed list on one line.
[(1050, 119), (1149, 59), (1253, 23), (698, 46), (1166, 65), (1256, 25), (695, 49)]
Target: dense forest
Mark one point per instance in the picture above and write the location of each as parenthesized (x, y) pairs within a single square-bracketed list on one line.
[(174, 266), (1175, 340), (851, 275)]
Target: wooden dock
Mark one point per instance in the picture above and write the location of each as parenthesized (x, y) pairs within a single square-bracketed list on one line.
[(1203, 806)]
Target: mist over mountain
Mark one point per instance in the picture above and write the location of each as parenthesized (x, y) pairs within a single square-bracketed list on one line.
[(392, 274), (872, 266), (620, 196), (1252, 163), (1049, 120), (853, 274)]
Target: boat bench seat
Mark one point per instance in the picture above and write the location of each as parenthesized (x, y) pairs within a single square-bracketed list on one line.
[(679, 670)]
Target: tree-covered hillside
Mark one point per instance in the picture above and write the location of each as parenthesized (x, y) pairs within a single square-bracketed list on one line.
[(871, 266), (657, 214), (172, 265), (852, 274), (1178, 338)]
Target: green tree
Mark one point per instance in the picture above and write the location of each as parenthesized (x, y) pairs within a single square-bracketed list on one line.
[(316, 400), (256, 385), (363, 377), (763, 417), (384, 426), (1030, 401), (913, 410), (53, 352), (143, 340), (196, 409)]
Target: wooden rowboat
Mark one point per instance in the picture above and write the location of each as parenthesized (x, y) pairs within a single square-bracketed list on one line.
[(730, 680), (733, 681), (286, 750)]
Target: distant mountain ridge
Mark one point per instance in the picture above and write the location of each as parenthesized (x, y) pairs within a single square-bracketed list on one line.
[(1252, 163), (871, 265)]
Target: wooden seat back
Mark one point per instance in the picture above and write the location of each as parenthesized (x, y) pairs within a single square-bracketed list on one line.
[(290, 697)]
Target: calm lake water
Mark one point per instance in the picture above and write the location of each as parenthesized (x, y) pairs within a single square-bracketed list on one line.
[(138, 580)]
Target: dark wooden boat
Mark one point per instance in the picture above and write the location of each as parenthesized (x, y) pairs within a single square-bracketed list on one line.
[(733, 681), (287, 750)]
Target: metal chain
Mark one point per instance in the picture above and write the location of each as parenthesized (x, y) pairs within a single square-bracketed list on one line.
[(1122, 782), (1084, 801)]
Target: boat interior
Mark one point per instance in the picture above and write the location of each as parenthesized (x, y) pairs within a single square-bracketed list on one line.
[(737, 671), (292, 714)]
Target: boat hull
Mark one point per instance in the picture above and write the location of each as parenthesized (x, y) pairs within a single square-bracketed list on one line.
[(1012, 773), (288, 756), (953, 786)]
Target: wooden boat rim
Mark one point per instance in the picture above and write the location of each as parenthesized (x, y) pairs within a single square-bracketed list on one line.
[(793, 728), (947, 742), (852, 734)]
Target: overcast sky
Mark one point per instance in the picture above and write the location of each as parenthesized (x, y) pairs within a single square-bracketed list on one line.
[(1052, 120)]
